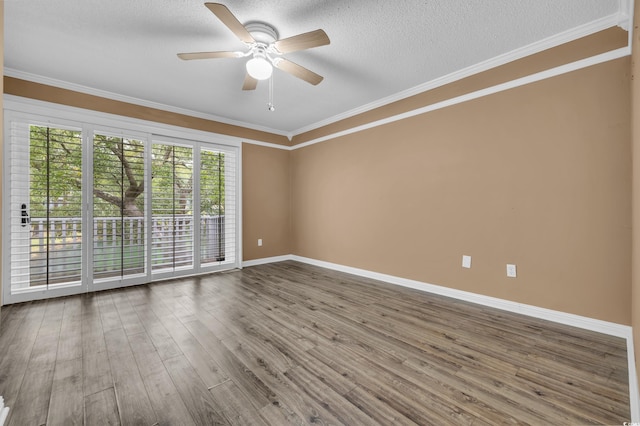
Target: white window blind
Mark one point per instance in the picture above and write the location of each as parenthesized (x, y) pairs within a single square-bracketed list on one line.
[(93, 209), (118, 207), (45, 176), (172, 231), (217, 206)]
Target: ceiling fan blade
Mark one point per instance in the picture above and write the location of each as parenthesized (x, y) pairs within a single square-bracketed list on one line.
[(297, 71), (227, 18), (208, 55), (250, 83), (303, 41)]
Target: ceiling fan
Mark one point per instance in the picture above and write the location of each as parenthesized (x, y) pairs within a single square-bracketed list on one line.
[(264, 48)]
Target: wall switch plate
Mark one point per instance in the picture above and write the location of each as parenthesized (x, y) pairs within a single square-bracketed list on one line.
[(259, 242), (511, 270), (466, 261)]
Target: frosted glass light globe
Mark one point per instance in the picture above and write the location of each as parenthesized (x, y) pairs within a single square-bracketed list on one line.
[(259, 68)]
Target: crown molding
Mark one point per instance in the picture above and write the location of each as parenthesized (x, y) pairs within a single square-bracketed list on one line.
[(563, 69), (35, 78), (625, 14), (620, 18)]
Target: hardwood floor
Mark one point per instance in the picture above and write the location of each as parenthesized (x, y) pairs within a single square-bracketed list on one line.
[(289, 343)]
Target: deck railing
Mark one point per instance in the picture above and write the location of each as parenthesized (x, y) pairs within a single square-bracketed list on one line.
[(118, 245)]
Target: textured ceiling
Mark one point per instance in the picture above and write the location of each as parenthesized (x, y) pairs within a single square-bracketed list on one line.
[(378, 49)]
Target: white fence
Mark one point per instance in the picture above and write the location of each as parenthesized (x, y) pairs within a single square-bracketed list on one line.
[(119, 245)]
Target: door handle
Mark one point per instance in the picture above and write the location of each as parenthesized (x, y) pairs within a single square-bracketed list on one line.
[(25, 215)]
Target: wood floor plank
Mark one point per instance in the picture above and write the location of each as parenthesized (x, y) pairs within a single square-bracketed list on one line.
[(91, 325), (338, 406), (162, 340), (295, 405), (108, 312), (32, 403), (449, 387), (12, 322), (275, 415), (201, 405), (66, 406), (265, 355), (101, 408), (241, 320), (568, 398), (287, 400), (199, 307), (610, 398), (273, 381), (164, 396), (551, 366), (96, 370), (258, 393), (289, 343), (13, 363), (286, 315), (206, 366), (70, 343), (133, 402), (371, 406), (128, 316), (398, 397), (235, 406), (4, 312), (488, 406), (519, 393)]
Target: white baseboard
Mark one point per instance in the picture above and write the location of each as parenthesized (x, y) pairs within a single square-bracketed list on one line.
[(634, 393), (605, 327), (265, 260)]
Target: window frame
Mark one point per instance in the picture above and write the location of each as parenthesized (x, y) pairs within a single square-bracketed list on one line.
[(92, 122)]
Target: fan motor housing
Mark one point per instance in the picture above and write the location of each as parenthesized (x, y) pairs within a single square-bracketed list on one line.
[(261, 32)]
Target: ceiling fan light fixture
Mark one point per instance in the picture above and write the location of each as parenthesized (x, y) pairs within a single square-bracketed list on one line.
[(259, 68), (264, 47)]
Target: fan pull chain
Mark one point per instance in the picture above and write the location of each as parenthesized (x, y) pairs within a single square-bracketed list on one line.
[(270, 105)]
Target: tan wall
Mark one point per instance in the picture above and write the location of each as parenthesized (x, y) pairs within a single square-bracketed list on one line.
[(266, 202), (538, 176), (42, 92), (635, 132)]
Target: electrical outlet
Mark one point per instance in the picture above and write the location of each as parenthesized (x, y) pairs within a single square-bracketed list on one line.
[(511, 270), (259, 242), (466, 261)]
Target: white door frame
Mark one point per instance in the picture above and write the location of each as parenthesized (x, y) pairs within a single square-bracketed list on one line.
[(22, 109)]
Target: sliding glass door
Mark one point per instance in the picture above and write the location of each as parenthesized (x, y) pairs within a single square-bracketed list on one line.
[(217, 207), (88, 209), (172, 208), (45, 203), (193, 208), (119, 232)]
